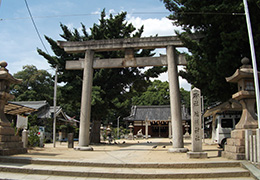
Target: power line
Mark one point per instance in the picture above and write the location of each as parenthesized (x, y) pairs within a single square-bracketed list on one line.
[(212, 13), (74, 15), (36, 29), (135, 13)]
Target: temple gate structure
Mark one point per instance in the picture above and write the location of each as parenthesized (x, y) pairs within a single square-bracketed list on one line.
[(172, 59)]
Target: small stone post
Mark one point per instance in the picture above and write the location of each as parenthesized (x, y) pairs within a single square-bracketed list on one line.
[(248, 133), (170, 129), (25, 138), (146, 129), (258, 144), (70, 140), (254, 149), (196, 125), (42, 135)]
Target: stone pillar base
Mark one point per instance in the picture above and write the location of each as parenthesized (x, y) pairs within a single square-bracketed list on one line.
[(177, 150), (197, 155), (235, 147), (83, 148), (9, 143)]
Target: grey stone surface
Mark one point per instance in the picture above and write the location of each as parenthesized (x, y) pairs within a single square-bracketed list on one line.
[(84, 148), (196, 120), (121, 62), (85, 112), (197, 155), (176, 119), (119, 44)]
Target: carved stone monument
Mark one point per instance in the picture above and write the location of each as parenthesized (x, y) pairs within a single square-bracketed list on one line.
[(235, 148), (9, 143), (196, 125)]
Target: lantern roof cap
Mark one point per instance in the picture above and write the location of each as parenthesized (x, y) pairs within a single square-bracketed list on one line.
[(5, 75), (244, 72)]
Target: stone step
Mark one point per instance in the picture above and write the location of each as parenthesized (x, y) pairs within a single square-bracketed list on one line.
[(9, 138), (7, 130), (194, 170), (11, 145), (25, 160), (16, 176), (115, 172), (7, 152)]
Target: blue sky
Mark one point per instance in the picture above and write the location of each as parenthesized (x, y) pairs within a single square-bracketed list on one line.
[(19, 40)]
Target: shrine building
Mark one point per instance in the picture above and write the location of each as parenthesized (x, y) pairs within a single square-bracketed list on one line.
[(155, 121)]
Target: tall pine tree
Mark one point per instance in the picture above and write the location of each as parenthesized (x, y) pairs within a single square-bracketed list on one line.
[(225, 41)]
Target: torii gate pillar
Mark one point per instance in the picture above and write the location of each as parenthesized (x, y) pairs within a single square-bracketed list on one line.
[(176, 118), (85, 111)]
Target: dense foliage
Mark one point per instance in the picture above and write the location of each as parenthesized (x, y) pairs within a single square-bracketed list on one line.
[(224, 41), (37, 85), (158, 93)]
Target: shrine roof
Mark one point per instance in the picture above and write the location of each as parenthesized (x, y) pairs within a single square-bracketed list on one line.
[(153, 113), (15, 108)]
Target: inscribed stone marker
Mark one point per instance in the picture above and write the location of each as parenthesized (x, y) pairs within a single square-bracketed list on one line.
[(196, 120)]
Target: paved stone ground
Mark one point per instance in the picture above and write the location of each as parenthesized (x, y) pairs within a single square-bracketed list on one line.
[(132, 151)]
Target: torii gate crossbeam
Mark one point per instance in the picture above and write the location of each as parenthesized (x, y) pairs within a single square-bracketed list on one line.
[(128, 45)]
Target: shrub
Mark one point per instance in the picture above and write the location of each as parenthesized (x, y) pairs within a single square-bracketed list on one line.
[(33, 138)]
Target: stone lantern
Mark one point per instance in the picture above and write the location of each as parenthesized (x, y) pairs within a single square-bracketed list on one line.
[(131, 135), (235, 148), (9, 143)]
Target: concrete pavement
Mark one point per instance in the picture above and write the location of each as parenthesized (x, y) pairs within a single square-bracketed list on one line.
[(126, 159), (156, 150)]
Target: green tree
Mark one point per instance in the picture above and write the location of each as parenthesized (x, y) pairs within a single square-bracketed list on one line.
[(36, 85), (112, 88), (224, 41), (185, 97), (157, 93)]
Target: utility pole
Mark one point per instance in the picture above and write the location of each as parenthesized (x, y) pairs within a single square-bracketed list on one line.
[(54, 107), (253, 56)]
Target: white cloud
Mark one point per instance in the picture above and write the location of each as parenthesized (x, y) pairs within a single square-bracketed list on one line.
[(182, 82), (160, 27), (152, 27), (97, 12), (111, 11)]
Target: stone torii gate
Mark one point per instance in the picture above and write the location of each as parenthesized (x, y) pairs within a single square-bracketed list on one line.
[(128, 45)]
